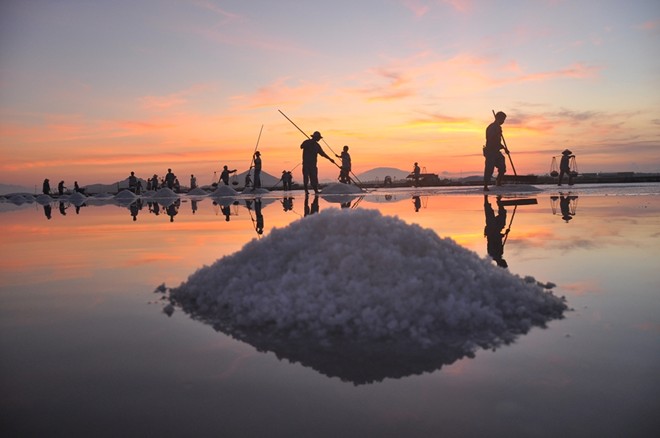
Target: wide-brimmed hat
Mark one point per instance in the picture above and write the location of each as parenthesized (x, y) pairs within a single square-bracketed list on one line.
[(316, 134), (567, 152)]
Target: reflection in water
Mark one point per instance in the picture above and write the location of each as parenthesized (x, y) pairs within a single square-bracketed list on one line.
[(314, 208), (493, 231), (377, 298), (567, 205), (417, 202)]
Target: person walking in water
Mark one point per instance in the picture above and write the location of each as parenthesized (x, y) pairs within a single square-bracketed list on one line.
[(493, 156), (224, 176), (416, 172), (257, 170), (345, 166), (565, 166), (311, 150)]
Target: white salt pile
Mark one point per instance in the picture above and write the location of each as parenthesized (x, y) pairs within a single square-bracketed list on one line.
[(340, 189), (125, 195), (44, 199), (223, 190), (355, 274), (165, 193), (77, 198), (197, 191)]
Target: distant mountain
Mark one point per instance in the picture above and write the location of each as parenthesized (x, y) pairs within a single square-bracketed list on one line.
[(379, 174)]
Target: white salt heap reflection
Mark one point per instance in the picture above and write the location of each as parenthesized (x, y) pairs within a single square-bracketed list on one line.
[(358, 275)]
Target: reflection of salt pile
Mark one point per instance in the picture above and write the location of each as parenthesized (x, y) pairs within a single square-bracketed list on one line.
[(197, 191), (357, 274)]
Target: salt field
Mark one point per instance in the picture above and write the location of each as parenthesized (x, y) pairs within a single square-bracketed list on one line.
[(527, 311)]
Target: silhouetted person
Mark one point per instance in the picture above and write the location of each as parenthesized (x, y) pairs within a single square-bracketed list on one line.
[(311, 150), (257, 170), (224, 176), (493, 231), (60, 188), (314, 208), (226, 210), (132, 182), (259, 227), (345, 169), (173, 209), (45, 188), (565, 166), (154, 182), (565, 207), (135, 208), (76, 187), (287, 204), (493, 156), (48, 211), (177, 186), (416, 173), (169, 179), (248, 180), (418, 203)]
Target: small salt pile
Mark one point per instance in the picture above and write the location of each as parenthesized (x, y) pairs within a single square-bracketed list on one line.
[(356, 274)]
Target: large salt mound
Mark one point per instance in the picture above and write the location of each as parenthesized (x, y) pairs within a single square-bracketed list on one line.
[(165, 193), (355, 274), (77, 198), (197, 191), (125, 195), (223, 190), (340, 189)]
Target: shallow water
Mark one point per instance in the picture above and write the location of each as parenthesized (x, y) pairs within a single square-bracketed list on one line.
[(87, 350)]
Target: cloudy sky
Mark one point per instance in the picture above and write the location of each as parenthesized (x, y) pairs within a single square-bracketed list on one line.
[(91, 90)]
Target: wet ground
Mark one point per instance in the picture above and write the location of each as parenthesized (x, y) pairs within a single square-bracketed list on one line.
[(87, 350)]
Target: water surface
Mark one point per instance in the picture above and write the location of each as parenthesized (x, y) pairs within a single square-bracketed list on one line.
[(87, 350)]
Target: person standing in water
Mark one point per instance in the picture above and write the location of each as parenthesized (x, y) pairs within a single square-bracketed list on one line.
[(311, 150), (493, 156)]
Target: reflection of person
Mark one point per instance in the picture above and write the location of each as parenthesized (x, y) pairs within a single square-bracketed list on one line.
[(311, 150), (493, 231), (565, 166), (416, 172), (193, 205), (257, 170), (314, 208), (224, 176), (565, 207), (345, 166), (287, 204), (226, 211), (493, 156), (173, 209), (135, 208), (63, 208), (47, 211), (259, 227), (418, 203)]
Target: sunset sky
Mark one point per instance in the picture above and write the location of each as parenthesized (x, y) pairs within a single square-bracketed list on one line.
[(91, 90)]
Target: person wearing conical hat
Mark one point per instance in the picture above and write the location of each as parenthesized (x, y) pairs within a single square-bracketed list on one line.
[(565, 166), (311, 150)]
